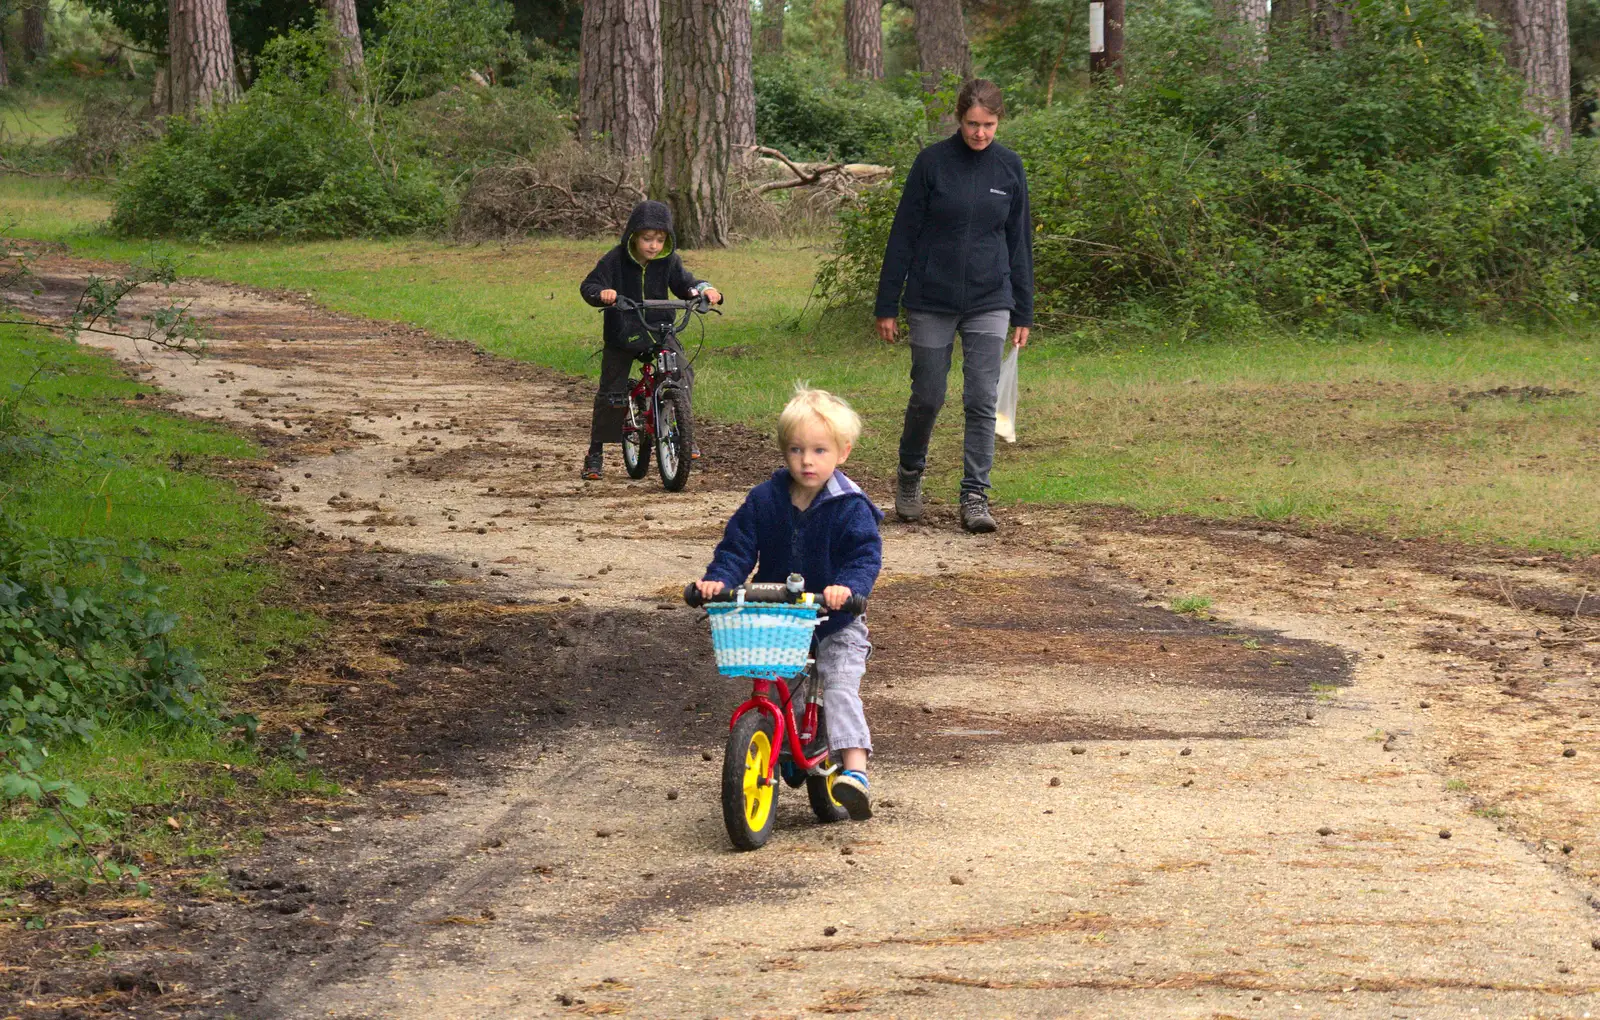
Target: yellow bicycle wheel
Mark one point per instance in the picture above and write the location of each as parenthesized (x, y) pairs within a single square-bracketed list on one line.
[(749, 798)]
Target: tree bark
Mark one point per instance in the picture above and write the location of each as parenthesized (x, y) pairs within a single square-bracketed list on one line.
[(743, 126), (619, 75), (1252, 19), (1331, 22), (1537, 48), (694, 145), (347, 34), (35, 47), (771, 41), (941, 32), (5, 72), (863, 38), (199, 56)]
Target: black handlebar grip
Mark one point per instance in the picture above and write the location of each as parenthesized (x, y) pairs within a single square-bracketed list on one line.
[(691, 595), (856, 604)]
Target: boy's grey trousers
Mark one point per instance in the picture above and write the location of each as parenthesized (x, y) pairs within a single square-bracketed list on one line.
[(933, 340), (841, 663)]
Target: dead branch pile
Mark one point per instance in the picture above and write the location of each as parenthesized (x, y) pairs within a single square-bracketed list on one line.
[(568, 191), (577, 193)]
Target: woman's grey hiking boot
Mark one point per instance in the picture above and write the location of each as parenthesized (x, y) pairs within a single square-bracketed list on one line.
[(908, 495), (975, 515)]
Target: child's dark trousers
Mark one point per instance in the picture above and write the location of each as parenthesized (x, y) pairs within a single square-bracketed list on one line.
[(616, 364)]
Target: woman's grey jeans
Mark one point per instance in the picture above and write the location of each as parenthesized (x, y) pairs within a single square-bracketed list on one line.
[(933, 341)]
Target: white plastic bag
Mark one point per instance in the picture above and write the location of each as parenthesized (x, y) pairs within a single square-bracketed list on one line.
[(1005, 408)]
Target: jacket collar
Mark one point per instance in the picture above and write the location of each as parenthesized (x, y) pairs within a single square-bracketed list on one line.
[(837, 486)]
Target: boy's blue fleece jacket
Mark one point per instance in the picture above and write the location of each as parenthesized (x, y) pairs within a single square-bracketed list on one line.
[(835, 541)]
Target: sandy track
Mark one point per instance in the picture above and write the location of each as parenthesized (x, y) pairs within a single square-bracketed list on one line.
[(1178, 869)]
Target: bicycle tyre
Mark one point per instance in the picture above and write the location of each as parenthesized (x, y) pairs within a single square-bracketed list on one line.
[(674, 440), (634, 460), (749, 804), (819, 790)]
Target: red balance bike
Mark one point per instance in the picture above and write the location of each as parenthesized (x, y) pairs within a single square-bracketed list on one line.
[(658, 413), (765, 632)]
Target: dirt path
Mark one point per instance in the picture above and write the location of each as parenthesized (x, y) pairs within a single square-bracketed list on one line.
[(1348, 794)]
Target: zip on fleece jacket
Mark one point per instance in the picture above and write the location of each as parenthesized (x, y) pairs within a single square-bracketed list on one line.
[(962, 239), (835, 541)]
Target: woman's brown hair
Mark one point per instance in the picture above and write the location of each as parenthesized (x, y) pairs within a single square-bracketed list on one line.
[(980, 92)]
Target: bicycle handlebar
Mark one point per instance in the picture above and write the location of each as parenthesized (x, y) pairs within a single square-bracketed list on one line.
[(623, 303), (769, 593)]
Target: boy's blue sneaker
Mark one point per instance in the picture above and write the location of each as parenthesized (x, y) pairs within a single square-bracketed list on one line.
[(850, 789)]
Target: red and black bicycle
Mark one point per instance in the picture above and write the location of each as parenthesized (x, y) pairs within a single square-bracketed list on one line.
[(764, 632), (658, 415)]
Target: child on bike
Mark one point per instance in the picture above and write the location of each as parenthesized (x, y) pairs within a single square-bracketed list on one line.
[(809, 519), (644, 266)]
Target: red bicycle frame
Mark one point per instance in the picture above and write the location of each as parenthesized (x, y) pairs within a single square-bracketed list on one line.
[(641, 396), (783, 724)]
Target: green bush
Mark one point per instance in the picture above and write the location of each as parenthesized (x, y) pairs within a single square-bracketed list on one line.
[(293, 158), (467, 128), (1398, 179), (809, 112)]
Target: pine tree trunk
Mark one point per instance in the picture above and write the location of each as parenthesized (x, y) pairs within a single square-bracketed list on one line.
[(5, 72), (863, 38), (347, 33), (1252, 20), (693, 145), (1537, 48), (941, 32), (200, 55), (742, 130), (619, 75), (35, 47), (1331, 22), (771, 41)]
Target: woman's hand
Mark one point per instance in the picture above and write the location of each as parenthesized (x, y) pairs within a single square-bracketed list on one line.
[(709, 589), (887, 328), (834, 595), (1019, 336), (608, 296)]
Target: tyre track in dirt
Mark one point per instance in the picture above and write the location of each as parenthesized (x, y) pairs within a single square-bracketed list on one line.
[(1178, 868)]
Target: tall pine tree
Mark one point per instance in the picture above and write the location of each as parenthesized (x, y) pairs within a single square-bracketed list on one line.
[(619, 75), (694, 142)]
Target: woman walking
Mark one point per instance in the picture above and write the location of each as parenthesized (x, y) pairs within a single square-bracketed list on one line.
[(961, 248)]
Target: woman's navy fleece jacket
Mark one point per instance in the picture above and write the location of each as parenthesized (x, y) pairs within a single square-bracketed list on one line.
[(835, 541), (962, 239)]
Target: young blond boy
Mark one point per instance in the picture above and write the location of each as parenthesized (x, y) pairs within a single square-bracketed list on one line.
[(810, 519), (643, 265)]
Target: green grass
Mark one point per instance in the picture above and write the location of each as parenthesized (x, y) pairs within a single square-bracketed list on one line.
[(1192, 604), (125, 472), (1358, 433), (35, 119)]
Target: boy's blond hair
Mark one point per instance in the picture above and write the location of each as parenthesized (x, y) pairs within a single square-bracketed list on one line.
[(808, 404)]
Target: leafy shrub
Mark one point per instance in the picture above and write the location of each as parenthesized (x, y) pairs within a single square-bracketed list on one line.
[(290, 159), (1399, 178), (466, 128), (426, 46), (810, 113)]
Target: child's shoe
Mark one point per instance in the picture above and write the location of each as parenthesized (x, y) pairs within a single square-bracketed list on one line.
[(694, 451), (594, 465), (850, 790)]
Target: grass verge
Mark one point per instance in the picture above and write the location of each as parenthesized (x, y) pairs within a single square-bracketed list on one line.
[(1485, 437), (119, 469)]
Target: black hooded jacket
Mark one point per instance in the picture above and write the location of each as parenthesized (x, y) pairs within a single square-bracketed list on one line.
[(619, 270), (962, 240)]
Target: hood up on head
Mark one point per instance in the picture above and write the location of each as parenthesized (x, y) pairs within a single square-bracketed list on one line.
[(650, 216)]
